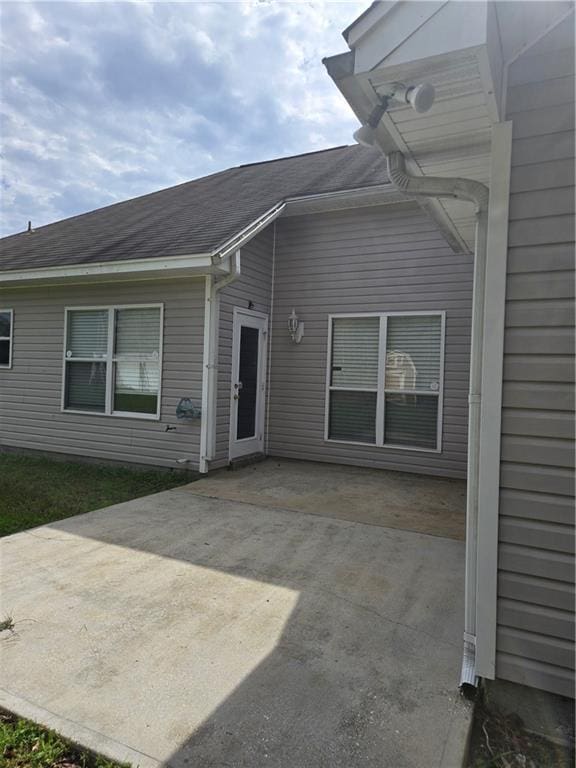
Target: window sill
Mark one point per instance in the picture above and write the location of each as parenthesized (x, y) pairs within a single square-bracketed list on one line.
[(389, 447), (115, 414)]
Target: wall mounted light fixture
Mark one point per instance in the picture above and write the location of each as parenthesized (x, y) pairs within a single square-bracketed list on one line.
[(295, 327), (420, 97)]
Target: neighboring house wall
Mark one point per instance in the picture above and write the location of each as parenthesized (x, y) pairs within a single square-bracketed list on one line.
[(254, 285), (30, 392), (387, 258), (536, 565)]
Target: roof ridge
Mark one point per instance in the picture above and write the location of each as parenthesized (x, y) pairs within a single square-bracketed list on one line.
[(301, 154)]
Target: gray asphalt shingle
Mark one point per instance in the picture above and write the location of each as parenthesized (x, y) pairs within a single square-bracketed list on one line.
[(194, 217)]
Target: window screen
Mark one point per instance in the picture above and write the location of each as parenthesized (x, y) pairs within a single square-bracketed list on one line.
[(400, 407), (86, 350), (112, 360), (136, 360), (355, 352), (6, 323), (413, 355), (354, 367)]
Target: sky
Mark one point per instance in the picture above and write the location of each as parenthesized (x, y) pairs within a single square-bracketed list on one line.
[(102, 102)]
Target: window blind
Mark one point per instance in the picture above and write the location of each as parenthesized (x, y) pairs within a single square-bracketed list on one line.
[(137, 350), (118, 374), (413, 348), (138, 332), (413, 355), (401, 408), (87, 333), (355, 343)]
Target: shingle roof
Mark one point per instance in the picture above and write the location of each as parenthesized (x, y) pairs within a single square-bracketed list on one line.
[(194, 217)]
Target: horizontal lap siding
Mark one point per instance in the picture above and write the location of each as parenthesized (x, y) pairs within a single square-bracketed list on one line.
[(254, 285), (30, 393), (367, 260), (536, 554)]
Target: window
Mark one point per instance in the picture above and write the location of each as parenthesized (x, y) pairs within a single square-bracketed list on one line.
[(385, 380), (112, 360), (6, 326)]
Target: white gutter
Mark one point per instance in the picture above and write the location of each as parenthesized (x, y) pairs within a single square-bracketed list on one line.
[(113, 268), (210, 360), (236, 242), (477, 193)]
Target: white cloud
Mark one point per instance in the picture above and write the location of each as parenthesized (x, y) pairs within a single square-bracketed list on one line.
[(106, 101)]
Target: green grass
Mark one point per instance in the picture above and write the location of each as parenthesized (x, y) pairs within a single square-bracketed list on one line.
[(26, 745), (37, 490)]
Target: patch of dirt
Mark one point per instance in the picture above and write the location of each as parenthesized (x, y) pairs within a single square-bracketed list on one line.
[(501, 741)]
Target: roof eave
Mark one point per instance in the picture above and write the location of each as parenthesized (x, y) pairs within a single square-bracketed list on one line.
[(193, 265)]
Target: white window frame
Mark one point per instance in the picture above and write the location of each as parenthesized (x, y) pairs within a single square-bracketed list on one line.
[(9, 339), (381, 389), (110, 359)]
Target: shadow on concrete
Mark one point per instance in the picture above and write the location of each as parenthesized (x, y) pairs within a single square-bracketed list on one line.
[(364, 670)]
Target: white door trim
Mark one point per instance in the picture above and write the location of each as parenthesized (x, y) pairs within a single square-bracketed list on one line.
[(255, 444)]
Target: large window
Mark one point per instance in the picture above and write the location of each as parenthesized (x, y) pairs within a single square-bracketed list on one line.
[(385, 380), (6, 330), (112, 360)]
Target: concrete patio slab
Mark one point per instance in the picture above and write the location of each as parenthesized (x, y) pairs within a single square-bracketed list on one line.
[(183, 630), (373, 496)]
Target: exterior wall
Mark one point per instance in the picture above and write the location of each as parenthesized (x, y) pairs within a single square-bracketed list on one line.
[(536, 552), (30, 392), (389, 258), (254, 285)]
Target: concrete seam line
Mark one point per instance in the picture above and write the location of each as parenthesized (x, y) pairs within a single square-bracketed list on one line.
[(81, 735)]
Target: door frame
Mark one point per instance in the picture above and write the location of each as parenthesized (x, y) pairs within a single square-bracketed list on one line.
[(248, 445)]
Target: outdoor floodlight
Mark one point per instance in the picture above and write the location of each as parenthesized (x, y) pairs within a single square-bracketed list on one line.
[(419, 97)]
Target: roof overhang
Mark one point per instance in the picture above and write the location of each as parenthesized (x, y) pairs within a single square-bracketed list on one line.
[(196, 265), (462, 48), (362, 197)]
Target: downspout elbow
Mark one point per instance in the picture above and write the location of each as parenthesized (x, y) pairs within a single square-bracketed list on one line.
[(431, 186)]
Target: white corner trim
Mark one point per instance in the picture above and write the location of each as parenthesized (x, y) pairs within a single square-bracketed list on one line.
[(491, 415)]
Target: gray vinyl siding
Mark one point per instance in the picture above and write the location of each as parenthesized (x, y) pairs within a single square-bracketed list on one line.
[(30, 393), (387, 258), (536, 551), (254, 285)]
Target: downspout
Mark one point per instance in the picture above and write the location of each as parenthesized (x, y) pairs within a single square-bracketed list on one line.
[(477, 193), (209, 360)]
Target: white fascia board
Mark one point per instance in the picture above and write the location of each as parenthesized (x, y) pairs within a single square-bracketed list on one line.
[(360, 197), (241, 238), (390, 35), (367, 20), (136, 267)]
